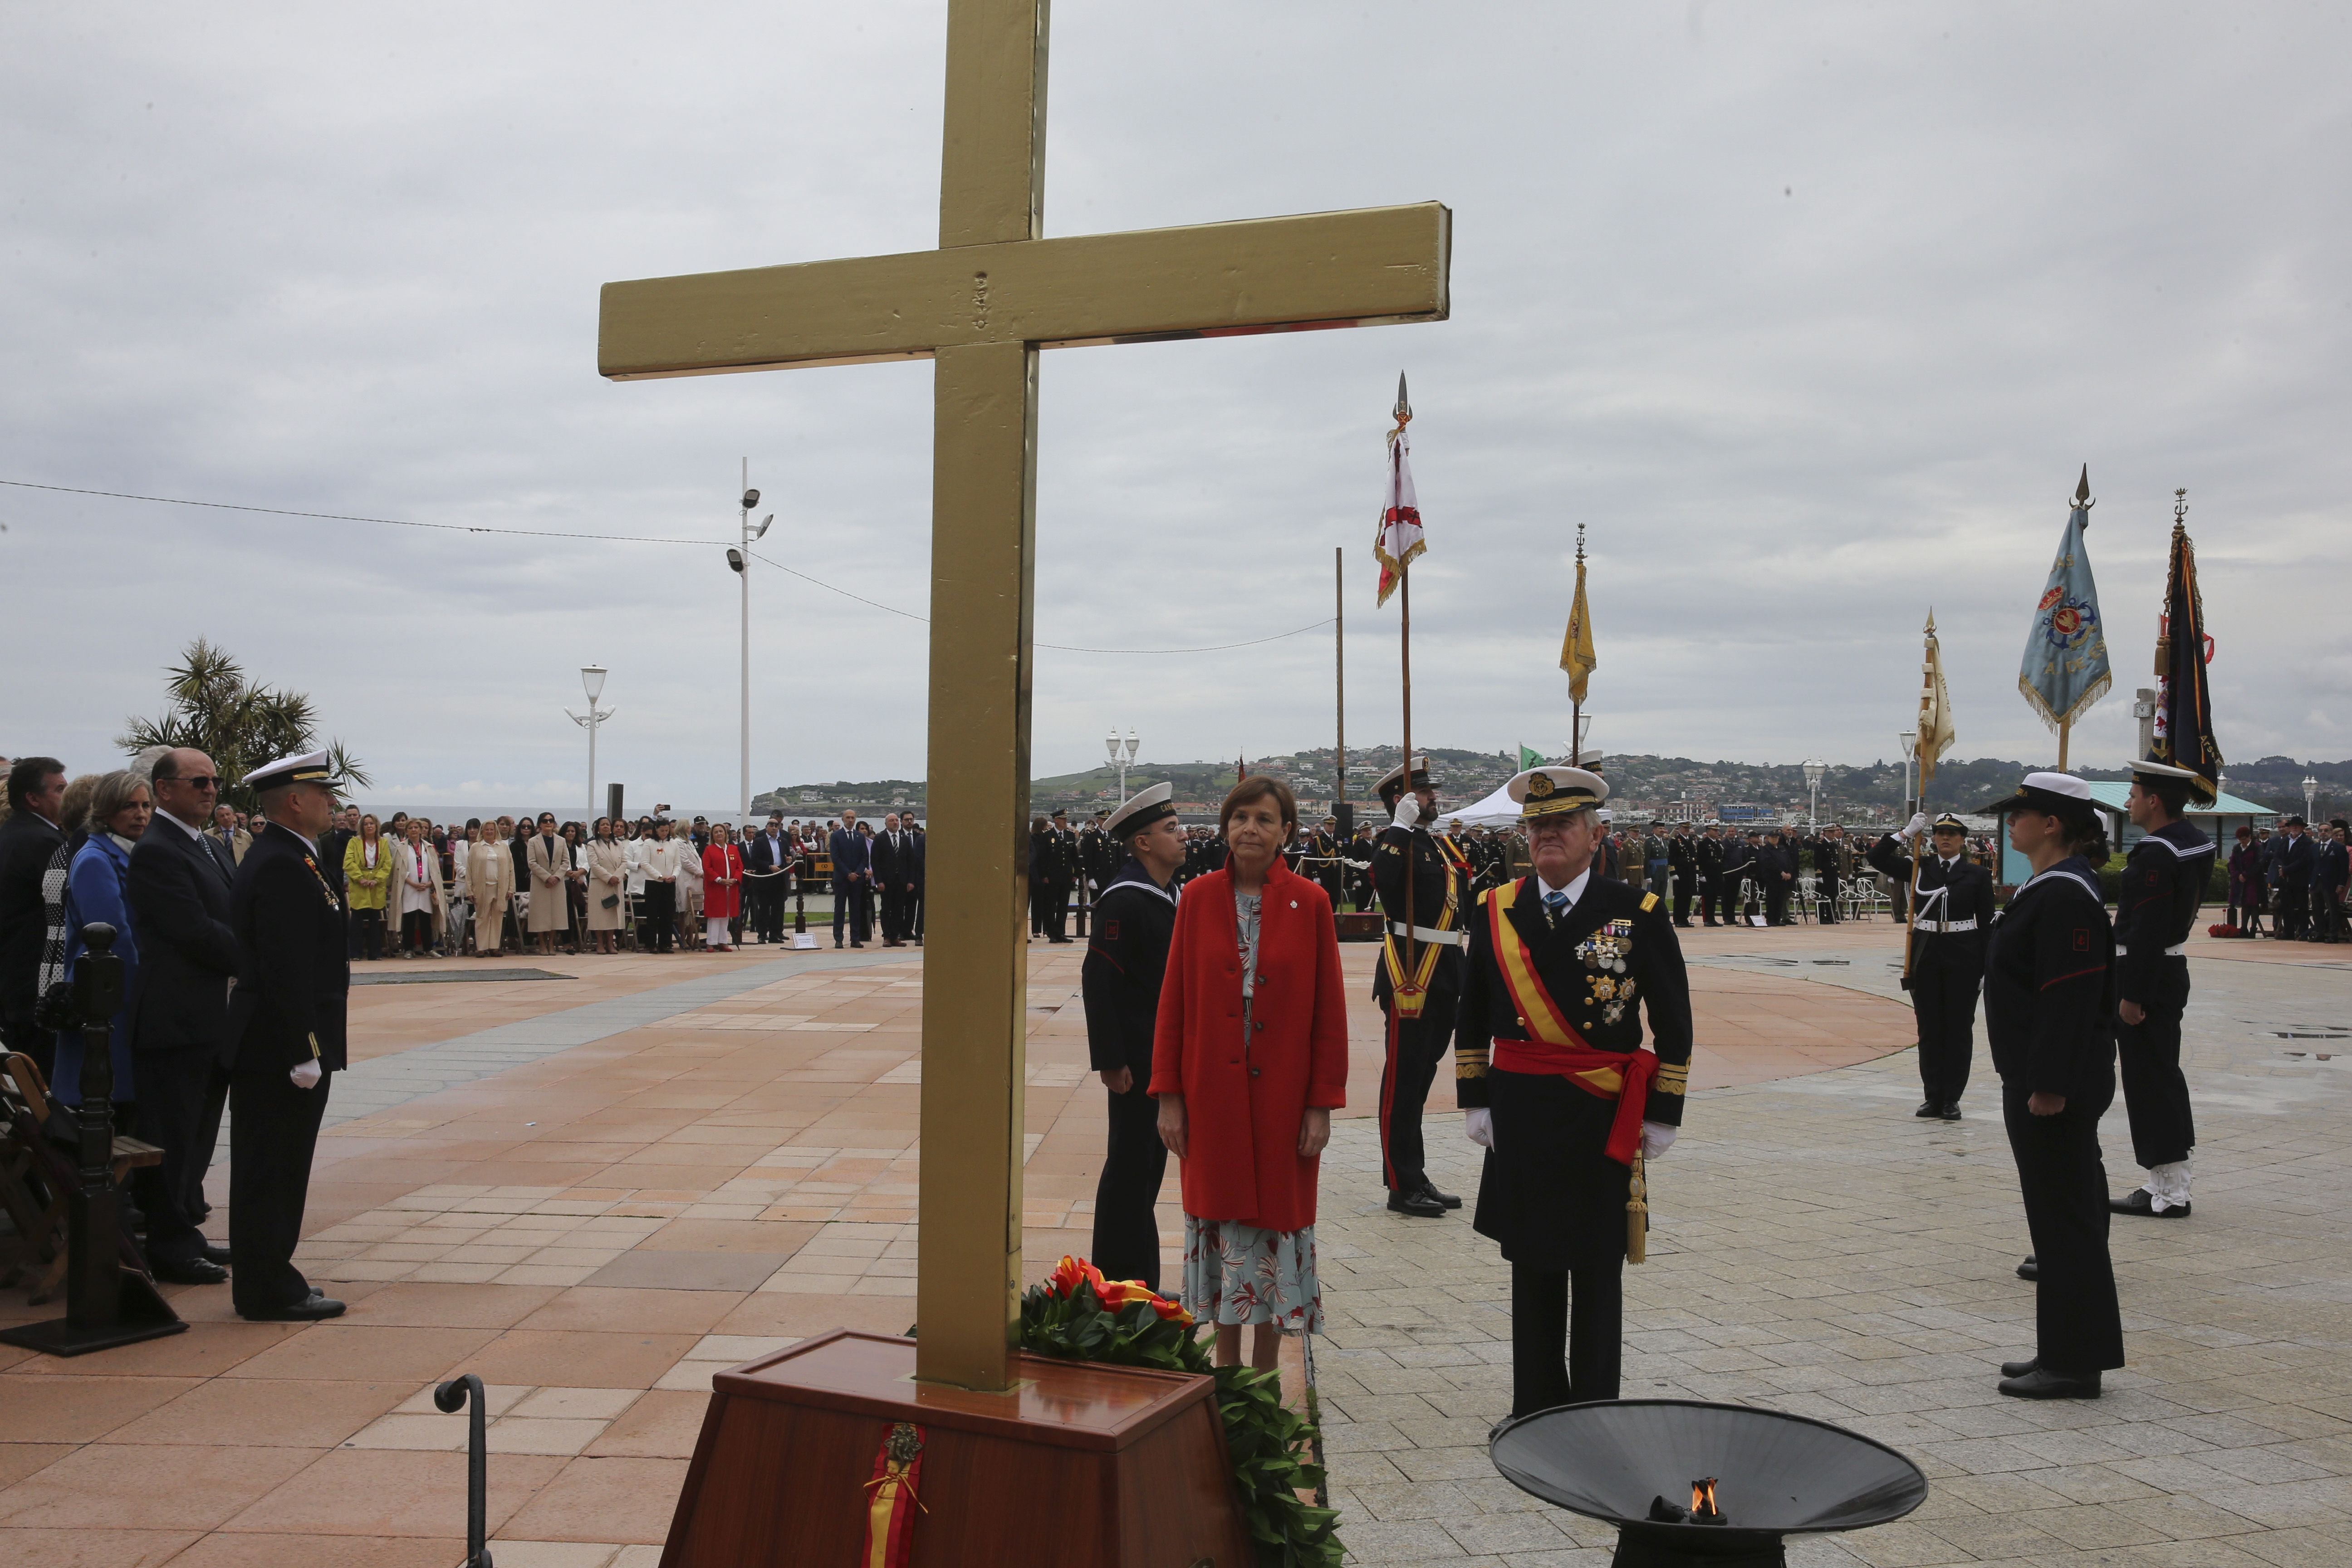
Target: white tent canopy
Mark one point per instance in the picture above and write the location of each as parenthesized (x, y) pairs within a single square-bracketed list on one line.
[(1497, 810)]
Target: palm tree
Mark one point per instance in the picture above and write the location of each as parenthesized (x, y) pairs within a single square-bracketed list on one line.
[(214, 709)]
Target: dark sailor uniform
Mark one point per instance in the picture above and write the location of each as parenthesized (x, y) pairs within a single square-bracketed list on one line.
[(2049, 1006), (1419, 1004), (1127, 953), (1948, 959), (1544, 996), (288, 1008), (2158, 897)]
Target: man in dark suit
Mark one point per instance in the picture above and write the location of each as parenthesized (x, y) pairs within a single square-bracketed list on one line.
[(287, 1026), (896, 858), (853, 872), (341, 828), (1057, 869), (2296, 862), (766, 859), (1682, 857), (37, 789), (178, 890)]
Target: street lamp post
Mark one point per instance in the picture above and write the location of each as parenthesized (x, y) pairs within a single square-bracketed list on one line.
[(1814, 769), (1122, 757), (2310, 797), (1909, 738), (592, 679), (739, 560)]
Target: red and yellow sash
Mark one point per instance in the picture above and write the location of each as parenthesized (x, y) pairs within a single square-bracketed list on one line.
[(1408, 993), (891, 1501), (1556, 1049)]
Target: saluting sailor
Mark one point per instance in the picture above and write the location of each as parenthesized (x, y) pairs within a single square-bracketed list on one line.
[(1949, 929), (1551, 1075), (1419, 984), (286, 1018), (2157, 899), (1126, 954)]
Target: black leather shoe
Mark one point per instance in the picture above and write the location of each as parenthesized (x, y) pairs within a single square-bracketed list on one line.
[(1418, 1204), (2020, 1368), (304, 1311), (1950, 1111), (1429, 1189), (190, 1271), (2139, 1202), (2043, 1383), (1928, 1110), (216, 1255), (2029, 1269)]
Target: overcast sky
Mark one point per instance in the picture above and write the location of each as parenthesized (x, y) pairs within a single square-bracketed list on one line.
[(1811, 312)]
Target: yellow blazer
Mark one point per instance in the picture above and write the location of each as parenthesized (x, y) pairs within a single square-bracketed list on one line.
[(365, 888)]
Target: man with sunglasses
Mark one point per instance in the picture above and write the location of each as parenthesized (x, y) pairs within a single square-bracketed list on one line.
[(178, 888)]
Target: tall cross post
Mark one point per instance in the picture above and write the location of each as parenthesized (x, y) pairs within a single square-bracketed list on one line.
[(981, 307)]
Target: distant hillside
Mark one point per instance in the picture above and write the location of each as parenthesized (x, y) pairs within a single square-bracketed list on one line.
[(1638, 785)]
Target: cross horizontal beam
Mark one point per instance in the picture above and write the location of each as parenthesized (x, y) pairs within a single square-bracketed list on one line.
[(1361, 267)]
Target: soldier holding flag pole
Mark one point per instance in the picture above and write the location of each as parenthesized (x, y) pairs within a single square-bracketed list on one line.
[(1422, 881)]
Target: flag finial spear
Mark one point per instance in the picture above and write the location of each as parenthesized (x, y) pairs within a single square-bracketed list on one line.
[(1580, 542), (1930, 627), (2082, 501), (1403, 407), (2180, 509)]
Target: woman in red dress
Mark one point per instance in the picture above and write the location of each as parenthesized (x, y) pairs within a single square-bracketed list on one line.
[(722, 887), (1249, 1059)]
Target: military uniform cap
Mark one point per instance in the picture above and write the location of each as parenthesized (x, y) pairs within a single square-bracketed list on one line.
[(2153, 770), (1948, 823), (310, 767), (1550, 791), (1392, 785), (1143, 809)]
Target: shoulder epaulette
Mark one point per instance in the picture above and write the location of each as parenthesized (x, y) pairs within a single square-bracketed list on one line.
[(1649, 902)]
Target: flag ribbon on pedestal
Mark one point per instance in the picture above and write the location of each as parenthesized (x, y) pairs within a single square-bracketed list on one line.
[(890, 1497), (2184, 705)]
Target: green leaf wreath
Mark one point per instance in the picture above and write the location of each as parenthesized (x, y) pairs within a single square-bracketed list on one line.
[(1076, 1314)]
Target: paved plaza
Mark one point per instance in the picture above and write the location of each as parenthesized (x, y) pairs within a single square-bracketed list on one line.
[(596, 1190)]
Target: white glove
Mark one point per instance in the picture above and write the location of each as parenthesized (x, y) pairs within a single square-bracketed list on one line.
[(1916, 826), (1408, 813), (1657, 1138), (307, 1074), (1479, 1122)]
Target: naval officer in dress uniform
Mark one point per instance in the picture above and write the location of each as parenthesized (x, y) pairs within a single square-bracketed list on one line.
[(1127, 953), (1947, 952), (2156, 900), (1419, 982), (287, 1023), (1551, 1077)]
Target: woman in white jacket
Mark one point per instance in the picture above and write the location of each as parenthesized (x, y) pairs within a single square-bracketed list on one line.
[(657, 865), (689, 887), (489, 877)]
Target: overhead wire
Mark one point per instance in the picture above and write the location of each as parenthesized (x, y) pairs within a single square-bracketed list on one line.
[(622, 539)]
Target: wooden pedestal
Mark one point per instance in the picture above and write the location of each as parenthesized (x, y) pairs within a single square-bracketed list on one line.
[(1081, 1465)]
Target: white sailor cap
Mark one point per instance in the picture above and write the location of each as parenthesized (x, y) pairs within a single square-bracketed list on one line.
[(1143, 809), (2062, 796), (2155, 770), (310, 767), (1548, 791)]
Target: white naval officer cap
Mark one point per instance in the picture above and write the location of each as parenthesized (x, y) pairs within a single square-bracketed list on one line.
[(1550, 791), (310, 767)]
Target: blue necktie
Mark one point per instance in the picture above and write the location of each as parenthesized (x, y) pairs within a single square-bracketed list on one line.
[(1558, 904)]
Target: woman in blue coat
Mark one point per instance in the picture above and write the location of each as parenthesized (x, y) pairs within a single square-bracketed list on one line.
[(119, 813)]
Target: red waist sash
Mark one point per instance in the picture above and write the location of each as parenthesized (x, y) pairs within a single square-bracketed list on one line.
[(1621, 1076)]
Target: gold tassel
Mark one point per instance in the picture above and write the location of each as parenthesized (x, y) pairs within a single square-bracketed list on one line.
[(1637, 1215)]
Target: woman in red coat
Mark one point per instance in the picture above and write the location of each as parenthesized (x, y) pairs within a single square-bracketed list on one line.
[(722, 887), (1248, 1061)]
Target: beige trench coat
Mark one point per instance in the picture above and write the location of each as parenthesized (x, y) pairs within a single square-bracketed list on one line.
[(608, 874)]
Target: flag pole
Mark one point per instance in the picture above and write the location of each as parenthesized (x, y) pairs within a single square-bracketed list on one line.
[(2065, 732), (1576, 703), (1404, 652), (1918, 846), (1340, 812)]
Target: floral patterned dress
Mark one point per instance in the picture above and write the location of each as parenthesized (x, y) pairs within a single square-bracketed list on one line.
[(1237, 1273)]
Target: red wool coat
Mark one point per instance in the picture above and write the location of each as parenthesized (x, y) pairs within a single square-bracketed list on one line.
[(722, 902), (1244, 1107)]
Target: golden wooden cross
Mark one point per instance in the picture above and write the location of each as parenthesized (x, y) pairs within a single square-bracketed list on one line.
[(981, 307)]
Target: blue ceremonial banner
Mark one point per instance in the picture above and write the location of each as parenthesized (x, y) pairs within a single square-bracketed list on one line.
[(2065, 667)]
